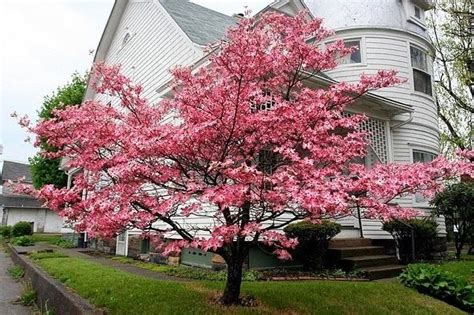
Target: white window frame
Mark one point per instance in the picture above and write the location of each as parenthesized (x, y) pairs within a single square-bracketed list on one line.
[(424, 203), (363, 57), (428, 71)]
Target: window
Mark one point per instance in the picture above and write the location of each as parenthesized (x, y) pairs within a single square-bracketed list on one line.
[(421, 77), (422, 157), (417, 12), (126, 38), (121, 237), (356, 56)]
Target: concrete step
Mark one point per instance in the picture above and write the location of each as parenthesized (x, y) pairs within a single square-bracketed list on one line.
[(356, 251), (368, 261), (349, 242), (382, 272)]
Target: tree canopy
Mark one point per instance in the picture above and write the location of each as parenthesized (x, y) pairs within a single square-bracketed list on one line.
[(46, 170), (451, 32), (243, 148)]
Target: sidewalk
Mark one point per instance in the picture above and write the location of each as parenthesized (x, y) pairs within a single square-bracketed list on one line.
[(10, 290)]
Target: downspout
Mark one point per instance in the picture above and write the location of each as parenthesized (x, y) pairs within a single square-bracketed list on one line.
[(403, 123)]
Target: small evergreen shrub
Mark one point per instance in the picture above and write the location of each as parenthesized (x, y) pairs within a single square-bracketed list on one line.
[(6, 231), (24, 240), (22, 228), (313, 241), (425, 236), (431, 280)]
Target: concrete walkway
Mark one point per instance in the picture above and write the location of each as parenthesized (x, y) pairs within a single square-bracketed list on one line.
[(10, 290)]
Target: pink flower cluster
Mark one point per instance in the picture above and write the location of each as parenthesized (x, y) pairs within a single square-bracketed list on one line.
[(224, 171)]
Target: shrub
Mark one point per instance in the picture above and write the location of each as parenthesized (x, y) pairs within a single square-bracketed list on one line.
[(23, 241), (456, 204), (5, 231), (431, 280), (22, 228), (313, 241), (425, 235)]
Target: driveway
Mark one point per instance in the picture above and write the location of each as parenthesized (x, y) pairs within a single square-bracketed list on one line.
[(10, 290)]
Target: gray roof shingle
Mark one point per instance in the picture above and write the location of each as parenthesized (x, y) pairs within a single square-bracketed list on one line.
[(13, 171), (19, 202), (203, 26)]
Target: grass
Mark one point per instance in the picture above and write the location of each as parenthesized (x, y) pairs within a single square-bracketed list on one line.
[(28, 296), (123, 293), (16, 272), (186, 272), (46, 238), (462, 268)]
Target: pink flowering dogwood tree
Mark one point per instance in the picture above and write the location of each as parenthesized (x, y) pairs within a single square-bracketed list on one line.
[(242, 149)]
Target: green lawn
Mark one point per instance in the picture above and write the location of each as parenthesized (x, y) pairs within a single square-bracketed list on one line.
[(463, 268), (45, 237), (123, 293)]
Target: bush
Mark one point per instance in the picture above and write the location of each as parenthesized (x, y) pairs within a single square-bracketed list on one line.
[(456, 204), (313, 241), (23, 241), (22, 228), (425, 236), (431, 280), (5, 231)]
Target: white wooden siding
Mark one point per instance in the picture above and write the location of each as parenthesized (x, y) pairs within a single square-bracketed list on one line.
[(156, 45), (390, 49)]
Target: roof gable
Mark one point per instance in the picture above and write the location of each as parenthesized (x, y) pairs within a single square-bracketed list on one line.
[(13, 171), (19, 202), (202, 25)]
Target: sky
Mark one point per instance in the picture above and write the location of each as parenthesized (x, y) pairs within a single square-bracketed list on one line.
[(43, 43)]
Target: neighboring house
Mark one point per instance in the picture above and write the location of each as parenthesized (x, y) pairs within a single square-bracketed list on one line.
[(15, 207), (149, 37)]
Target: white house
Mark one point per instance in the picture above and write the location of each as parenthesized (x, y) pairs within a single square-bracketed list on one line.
[(148, 37), (15, 208)]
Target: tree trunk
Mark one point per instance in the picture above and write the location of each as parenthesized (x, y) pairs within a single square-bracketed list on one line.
[(458, 244), (234, 280)]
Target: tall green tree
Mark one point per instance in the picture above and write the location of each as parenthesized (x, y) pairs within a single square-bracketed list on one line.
[(451, 32), (456, 204), (44, 170)]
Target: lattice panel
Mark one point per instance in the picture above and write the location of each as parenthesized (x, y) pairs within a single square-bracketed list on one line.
[(377, 136)]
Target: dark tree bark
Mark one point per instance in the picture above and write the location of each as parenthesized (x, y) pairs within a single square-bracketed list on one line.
[(234, 257), (231, 294)]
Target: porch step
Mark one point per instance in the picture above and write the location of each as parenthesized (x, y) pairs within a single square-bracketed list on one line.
[(349, 242), (382, 272), (356, 251), (368, 261)]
